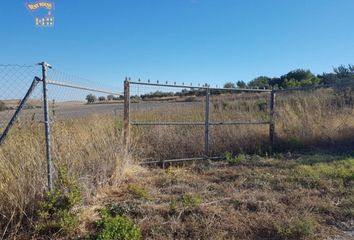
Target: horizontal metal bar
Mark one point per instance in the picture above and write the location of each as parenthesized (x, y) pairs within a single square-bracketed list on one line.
[(168, 123), (194, 123), (180, 160), (211, 88), (69, 85), (238, 123)]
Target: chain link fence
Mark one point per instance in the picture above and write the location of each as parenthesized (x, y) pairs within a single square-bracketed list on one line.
[(161, 121)]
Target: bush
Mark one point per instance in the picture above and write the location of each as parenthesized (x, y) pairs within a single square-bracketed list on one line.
[(117, 227), (138, 191), (189, 201), (2, 106), (102, 98), (298, 228), (234, 160), (56, 210)]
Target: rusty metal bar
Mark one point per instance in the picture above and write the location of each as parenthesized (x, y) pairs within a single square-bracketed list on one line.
[(179, 160)]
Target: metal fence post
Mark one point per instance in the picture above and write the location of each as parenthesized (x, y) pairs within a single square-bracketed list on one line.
[(126, 112), (206, 127), (47, 125), (271, 122)]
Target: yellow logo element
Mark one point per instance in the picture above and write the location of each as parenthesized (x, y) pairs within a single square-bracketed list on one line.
[(42, 13), (37, 5)]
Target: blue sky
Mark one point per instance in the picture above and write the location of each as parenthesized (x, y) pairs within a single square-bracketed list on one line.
[(197, 41)]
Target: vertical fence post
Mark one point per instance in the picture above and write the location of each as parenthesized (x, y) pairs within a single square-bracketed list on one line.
[(126, 112), (47, 126), (271, 122), (206, 126)]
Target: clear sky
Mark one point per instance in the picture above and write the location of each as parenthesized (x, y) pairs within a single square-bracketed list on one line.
[(197, 41)]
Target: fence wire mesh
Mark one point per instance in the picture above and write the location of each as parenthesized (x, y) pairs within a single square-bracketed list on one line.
[(15, 82), (163, 118), (86, 127), (177, 122)]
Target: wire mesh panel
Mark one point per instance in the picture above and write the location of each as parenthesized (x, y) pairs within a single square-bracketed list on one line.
[(22, 157), (15, 82), (315, 117), (86, 124), (239, 121), (163, 117), (172, 121)]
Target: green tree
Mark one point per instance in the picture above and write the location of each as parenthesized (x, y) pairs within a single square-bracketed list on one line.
[(241, 84), (299, 78), (260, 82), (110, 97), (101, 99), (91, 98), (229, 85)]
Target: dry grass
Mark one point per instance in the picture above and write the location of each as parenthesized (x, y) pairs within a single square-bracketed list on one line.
[(90, 150), (207, 202), (258, 199), (322, 118)]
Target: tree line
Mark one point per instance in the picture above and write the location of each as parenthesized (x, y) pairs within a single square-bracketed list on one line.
[(90, 98), (292, 79), (299, 78)]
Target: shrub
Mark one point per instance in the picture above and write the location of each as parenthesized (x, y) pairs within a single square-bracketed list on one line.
[(189, 201), (117, 227), (173, 205), (2, 106), (138, 191), (234, 160), (56, 210), (298, 228)]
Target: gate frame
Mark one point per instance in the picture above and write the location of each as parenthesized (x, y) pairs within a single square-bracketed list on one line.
[(206, 123)]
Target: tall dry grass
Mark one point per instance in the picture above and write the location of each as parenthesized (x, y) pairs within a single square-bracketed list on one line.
[(321, 118), (91, 149), (88, 149)]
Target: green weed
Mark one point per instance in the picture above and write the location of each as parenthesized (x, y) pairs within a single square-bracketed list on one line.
[(56, 210), (116, 227), (139, 192), (343, 169), (240, 158), (297, 228), (189, 201)]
